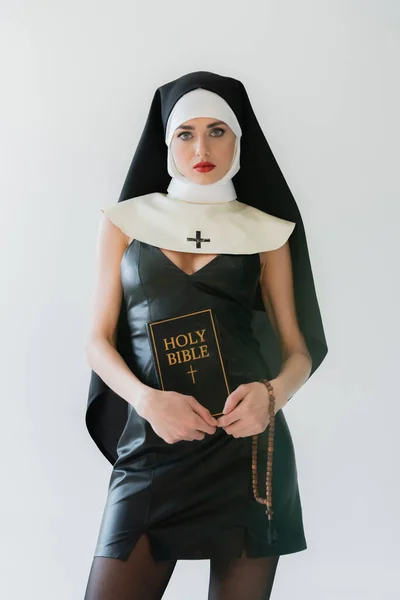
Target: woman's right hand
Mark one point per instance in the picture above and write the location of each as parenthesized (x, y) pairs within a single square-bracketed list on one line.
[(174, 416)]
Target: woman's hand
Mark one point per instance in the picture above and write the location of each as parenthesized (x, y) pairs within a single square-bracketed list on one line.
[(175, 417), (246, 410)]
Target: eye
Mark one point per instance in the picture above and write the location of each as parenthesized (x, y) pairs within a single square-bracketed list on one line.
[(218, 129), (184, 133)]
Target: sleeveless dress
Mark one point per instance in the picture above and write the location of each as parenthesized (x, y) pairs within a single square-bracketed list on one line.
[(194, 498)]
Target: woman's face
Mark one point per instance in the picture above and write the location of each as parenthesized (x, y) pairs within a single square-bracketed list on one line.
[(203, 140)]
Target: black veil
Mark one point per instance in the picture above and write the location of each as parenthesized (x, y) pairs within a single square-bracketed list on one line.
[(259, 183)]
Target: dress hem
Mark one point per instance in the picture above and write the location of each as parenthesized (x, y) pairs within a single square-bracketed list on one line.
[(263, 550)]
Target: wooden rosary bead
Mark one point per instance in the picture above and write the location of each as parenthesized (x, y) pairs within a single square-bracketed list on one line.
[(270, 448)]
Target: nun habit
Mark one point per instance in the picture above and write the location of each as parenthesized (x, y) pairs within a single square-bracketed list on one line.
[(195, 499)]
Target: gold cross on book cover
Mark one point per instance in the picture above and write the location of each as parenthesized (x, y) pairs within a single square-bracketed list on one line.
[(188, 359)]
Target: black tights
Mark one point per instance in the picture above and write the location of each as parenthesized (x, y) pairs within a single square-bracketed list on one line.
[(142, 578)]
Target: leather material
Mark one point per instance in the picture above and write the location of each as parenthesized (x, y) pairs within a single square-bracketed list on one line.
[(195, 498), (260, 184)]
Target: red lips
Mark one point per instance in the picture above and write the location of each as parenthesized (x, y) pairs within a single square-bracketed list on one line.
[(204, 167), (204, 164)]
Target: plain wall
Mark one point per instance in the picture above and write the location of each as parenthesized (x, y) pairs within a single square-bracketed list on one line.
[(77, 82)]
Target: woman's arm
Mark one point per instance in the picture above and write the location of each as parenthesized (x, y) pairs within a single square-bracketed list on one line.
[(276, 283), (100, 345), (173, 416)]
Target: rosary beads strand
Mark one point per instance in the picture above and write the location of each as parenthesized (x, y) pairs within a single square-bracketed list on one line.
[(268, 499)]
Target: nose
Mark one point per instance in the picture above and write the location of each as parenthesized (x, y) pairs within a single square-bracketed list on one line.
[(202, 147)]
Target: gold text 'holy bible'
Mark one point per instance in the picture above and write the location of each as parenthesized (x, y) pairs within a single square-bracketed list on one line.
[(188, 358)]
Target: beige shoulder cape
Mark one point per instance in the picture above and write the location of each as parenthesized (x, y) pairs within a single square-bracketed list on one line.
[(218, 228)]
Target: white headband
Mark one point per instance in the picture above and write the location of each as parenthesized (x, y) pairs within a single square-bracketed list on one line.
[(202, 103)]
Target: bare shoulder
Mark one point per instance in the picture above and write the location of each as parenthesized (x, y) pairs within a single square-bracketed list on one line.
[(275, 262), (107, 296), (111, 235)]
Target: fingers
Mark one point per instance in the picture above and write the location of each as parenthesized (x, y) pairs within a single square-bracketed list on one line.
[(203, 412), (230, 418), (201, 425), (235, 397), (196, 436), (236, 430), (200, 422)]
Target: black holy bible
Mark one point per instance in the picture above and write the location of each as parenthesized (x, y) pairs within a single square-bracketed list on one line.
[(188, 359)]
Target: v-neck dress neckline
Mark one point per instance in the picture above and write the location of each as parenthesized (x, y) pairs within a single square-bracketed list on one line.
[(181, 270)]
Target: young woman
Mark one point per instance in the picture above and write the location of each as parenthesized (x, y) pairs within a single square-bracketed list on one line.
[(205, 221)]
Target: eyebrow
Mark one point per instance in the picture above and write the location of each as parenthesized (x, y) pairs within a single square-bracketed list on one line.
[(208, 126)]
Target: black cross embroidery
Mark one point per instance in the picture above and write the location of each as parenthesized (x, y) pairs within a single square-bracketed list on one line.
[(198, 239)]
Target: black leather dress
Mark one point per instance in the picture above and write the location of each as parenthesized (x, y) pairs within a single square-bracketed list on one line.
[(195, 498)]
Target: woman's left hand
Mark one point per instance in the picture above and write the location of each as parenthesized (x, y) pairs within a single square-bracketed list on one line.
[(246, 410)]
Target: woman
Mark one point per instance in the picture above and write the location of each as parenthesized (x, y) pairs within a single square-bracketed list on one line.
[(205, 221)]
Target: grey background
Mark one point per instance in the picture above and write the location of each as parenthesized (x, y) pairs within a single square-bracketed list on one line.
[(77, 82)]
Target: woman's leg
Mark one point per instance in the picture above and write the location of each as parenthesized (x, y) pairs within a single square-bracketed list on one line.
[(238, 578), (137, 578)]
